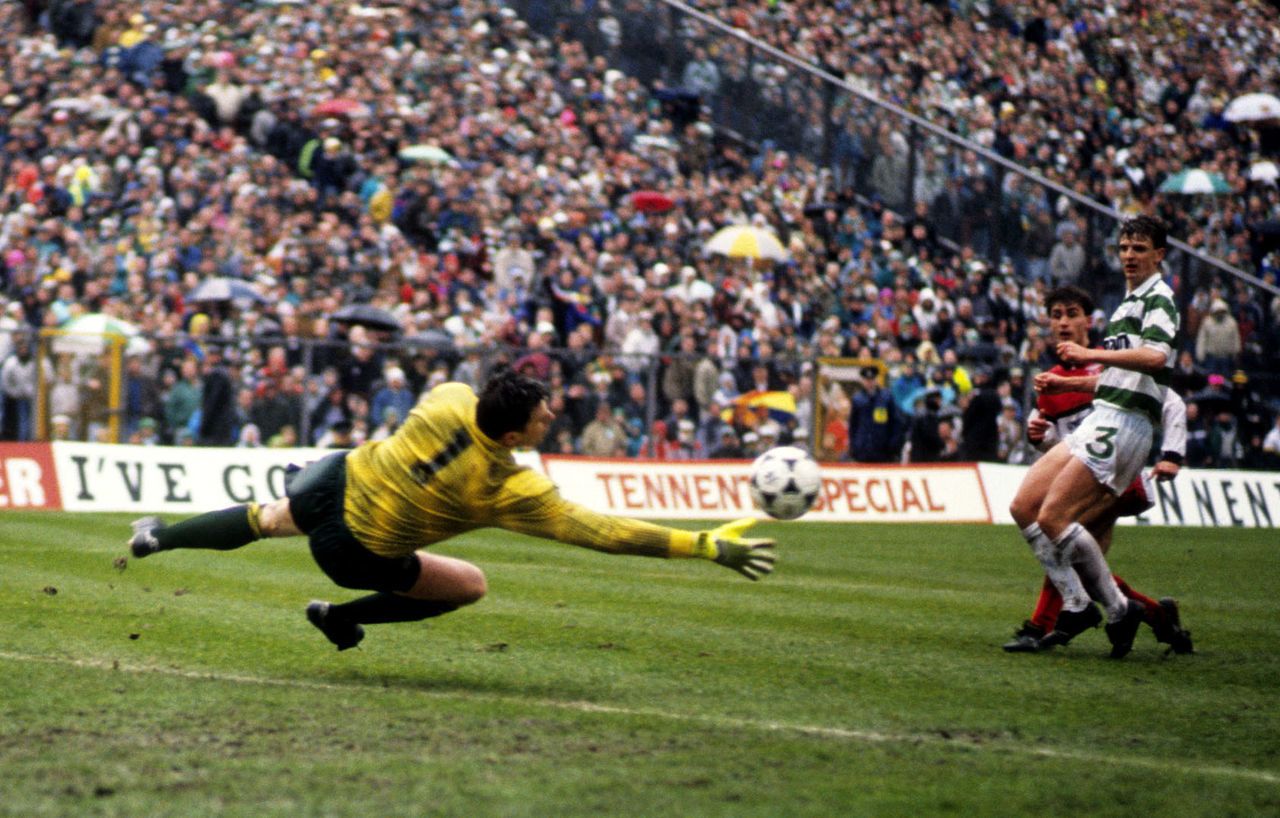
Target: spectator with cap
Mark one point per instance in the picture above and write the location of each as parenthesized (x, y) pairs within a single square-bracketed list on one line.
[(875, 426)]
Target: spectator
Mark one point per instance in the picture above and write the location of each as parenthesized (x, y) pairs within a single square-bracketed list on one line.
[(1218, 341), (728, 447), (217, 402), (183, 399), (1009, 434), (18, 387), (1271, 447), (142, 396), (1198, 456), (1187, 378), (604, 436), (1066, 260), (1224, 445), (875, 434), (701, 75), (926, 442), (395, 394), (981, 440)]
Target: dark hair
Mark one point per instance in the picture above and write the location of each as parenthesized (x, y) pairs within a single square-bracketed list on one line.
[(1067, 295), (507, 402), (1148, 226)]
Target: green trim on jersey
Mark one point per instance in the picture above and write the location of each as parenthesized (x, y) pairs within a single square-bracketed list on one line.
[(1129, 400), (1146, 318)]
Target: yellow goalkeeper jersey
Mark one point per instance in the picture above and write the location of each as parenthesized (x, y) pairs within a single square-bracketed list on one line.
[(439, 476)]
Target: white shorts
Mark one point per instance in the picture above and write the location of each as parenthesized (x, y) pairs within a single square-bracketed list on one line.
[(1113, 444)]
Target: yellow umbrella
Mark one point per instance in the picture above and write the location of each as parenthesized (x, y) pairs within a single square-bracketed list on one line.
[(745, 241)]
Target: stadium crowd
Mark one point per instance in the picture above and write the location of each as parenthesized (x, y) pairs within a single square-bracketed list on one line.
[(480, 187)]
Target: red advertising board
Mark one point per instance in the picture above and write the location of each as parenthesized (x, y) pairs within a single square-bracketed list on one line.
[(28, 479)]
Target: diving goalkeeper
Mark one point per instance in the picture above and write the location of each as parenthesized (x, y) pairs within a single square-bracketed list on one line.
[(448, 469)]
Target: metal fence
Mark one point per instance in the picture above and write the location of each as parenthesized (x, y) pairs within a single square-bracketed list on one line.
[(971, 196), (115, 391), (770, 99)]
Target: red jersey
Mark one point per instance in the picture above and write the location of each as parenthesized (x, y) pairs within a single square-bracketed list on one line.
[(1066, 410)]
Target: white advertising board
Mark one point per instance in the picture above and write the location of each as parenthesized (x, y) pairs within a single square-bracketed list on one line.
[(695, 490), (1196, 497), (177, 479)]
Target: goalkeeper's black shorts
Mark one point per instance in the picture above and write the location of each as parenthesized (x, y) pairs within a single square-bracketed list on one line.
[(315, 499)]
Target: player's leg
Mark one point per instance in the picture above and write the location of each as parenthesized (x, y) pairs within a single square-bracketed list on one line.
[(443, 584), (1070, 497), (1026, 509), (1162, 615), (1074, 492), (237, 526), (1028, 638), (222, 530), (408, 588), (1035, 485), (1107, 452)]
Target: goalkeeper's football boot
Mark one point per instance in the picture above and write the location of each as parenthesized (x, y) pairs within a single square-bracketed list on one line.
[(144, 542), (1123, 630), (1026, 639), (343, 634), (1071, 624), (1168, 627)]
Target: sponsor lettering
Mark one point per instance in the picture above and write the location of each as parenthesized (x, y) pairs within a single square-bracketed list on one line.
[(881, 495), (181, 481), (28, 479), (1195, 498), (20, 487), (1228, 499), (718, 489), (136, 477), (675, 492)]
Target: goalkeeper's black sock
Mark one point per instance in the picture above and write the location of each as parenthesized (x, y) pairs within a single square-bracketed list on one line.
[(387, 607), (221, 530)]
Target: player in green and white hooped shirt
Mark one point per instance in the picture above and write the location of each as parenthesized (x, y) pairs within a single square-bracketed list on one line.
[(1110, 447)]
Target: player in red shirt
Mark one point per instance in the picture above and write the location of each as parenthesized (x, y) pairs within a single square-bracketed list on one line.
[(1064, 399)]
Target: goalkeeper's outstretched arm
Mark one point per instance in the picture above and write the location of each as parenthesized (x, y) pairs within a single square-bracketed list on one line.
[(553, 517)]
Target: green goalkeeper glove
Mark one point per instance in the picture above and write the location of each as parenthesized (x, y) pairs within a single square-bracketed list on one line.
[(753, 558)]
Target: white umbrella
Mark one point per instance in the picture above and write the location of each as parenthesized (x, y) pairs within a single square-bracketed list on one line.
[(746, 241), (221, 288), (1252, 108), (1265, 171), (90, 334), (1192, 181), (431, 154)]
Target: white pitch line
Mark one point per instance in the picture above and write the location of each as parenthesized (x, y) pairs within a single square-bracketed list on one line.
[(820, 731)]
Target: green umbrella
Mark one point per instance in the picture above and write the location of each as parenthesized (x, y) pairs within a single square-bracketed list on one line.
[(1193, 181), (433, 154)]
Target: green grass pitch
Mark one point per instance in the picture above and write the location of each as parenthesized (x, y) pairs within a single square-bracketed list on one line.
[(864, 678)]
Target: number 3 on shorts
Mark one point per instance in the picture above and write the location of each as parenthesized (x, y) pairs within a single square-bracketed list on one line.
[(1104, 447)]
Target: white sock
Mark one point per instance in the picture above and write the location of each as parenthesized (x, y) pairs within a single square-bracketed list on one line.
[(1061, 574), (1076, 546)]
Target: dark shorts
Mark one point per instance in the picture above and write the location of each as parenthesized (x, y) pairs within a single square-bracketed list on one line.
[(315, 499)]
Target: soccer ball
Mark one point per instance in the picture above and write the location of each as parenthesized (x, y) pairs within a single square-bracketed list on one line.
[(785, 482)]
